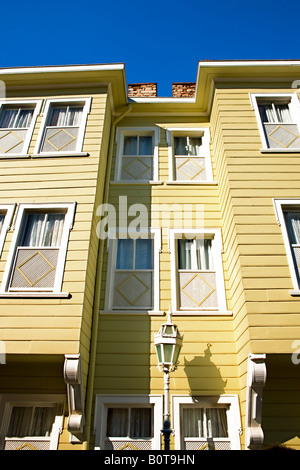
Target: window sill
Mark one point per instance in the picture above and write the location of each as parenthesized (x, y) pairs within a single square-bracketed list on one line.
[(151, 182), (60, 154), (202, 312), (131, 312), (280, 150), (33, 295), (14, 155), (188, 183), (295, 293)]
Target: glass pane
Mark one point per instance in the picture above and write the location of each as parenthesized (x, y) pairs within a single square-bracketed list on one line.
[(20, 421), (53, 230), (8, 117), (180, 146), (43, 419), (216, 422), (267, 113), (292, 219), (57, 116), (2, 217), (185, 254), (195, 146), (140, 422), (130, 145), (33, 229), (193, 422), (73, 117), (168, 351), (143, 255), (24, 118), (125, 254), (145, 145), (158, 352), (203, 253), (117, 422), (283, 113)]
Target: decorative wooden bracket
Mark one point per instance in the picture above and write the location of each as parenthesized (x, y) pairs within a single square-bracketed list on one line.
[(256, 379), (73, 379)]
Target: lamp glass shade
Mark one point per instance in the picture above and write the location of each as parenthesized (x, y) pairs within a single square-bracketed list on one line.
[(168, 353)]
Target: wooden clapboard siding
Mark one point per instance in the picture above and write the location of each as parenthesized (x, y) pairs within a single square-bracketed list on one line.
[(59, 326)]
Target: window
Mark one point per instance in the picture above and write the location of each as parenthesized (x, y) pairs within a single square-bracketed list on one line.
[(137, 155), (133, 276), (288, 216), (206, 423), (17, 122), (189, 155), (38, 251), (196, 270), (278, 119), (124, 422), (63, 126), (6, 215), (31, 423)]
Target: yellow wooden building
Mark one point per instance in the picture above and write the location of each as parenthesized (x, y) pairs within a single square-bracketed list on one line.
[(118, 206)]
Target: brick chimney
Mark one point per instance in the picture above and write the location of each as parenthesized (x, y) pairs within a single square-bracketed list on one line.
[(183, 90), (142, 90)]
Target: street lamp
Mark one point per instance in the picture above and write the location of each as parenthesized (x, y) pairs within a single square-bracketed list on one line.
[(168, 342)]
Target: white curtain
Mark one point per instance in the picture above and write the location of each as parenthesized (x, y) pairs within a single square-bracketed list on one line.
[(187, 146), (293, 226), (129, 422), (195, 146), (29, 421), (275, 113), (200, 422), (180, 146), (16, 118), (43, 230), (194, 254), (65, 116)]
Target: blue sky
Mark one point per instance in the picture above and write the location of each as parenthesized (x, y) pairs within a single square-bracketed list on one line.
[(160, 41)]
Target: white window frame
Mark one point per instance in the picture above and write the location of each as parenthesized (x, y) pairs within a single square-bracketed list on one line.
[(69, 210), (280, 205), (7, 210), (233, 415), (155, 234), (133, 131), (103, 402), (36, 105), (294, 108), (86, 105), (216, 250), (189, 132), (8, 401)]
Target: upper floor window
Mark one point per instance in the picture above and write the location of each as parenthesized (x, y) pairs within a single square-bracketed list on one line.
[(278, 119), (196, 271), (288, 214), (17, 120), (6, 215), (133, 273), (63, 126), (37, 255), (189, 155), (137, 155)]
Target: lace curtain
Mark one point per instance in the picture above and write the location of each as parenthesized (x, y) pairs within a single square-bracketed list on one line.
[(129, 422), (201, 422), (187, 146), (273, 113), (293, 226), (194, 254), (65, 116), (30, 421), (15, 118)]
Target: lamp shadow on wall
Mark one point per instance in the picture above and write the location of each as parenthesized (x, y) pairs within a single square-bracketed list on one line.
[(203, 375)]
